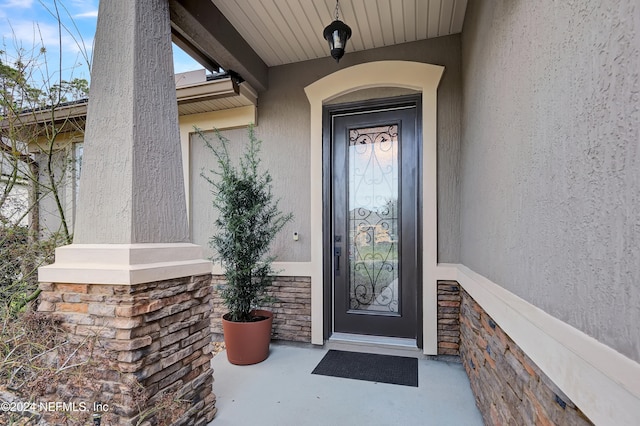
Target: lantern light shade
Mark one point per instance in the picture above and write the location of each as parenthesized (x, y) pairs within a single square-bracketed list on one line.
[(337, 33)]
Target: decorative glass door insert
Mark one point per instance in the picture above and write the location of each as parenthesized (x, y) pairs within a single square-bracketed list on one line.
[(373, 191)]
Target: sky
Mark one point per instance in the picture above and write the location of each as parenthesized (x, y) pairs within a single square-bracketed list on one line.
[(25, 24)]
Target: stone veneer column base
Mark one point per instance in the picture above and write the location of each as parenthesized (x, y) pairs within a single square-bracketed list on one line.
[(151, 339), (291, 309), (509, 388)]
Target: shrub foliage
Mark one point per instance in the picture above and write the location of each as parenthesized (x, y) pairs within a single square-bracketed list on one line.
[(248, 220)]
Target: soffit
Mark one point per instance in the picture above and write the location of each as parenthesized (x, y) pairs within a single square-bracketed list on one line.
[(212, 105), (193, 97), (214, 95), (286, 31)]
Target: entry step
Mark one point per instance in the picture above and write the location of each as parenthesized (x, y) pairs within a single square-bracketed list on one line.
[(374, 344)]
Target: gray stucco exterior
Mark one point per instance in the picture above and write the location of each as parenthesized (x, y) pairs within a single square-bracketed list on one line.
[(550, 182), (283, 125), (132, 184), (536, 132)]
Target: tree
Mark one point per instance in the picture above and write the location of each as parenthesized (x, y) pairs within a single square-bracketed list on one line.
[(36, 165), (249, 219)]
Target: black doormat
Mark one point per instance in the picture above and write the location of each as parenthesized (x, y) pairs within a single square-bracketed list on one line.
[(396, 370)]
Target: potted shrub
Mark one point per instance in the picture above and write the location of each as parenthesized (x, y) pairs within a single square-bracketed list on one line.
[(248, 221)]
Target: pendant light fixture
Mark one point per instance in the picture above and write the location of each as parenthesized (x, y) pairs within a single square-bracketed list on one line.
[(337, 33)]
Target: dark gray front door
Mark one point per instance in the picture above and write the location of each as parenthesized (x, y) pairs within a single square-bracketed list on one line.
[(375, 171)]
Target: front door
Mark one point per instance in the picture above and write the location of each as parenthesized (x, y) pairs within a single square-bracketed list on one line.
[(375, 175)]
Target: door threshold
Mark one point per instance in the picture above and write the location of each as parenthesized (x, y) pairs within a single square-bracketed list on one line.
[(374, 345)]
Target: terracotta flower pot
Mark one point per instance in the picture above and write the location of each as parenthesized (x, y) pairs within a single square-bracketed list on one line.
[(248, 342)]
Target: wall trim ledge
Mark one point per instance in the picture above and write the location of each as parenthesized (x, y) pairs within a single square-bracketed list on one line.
[(602, 382), (282, 269)]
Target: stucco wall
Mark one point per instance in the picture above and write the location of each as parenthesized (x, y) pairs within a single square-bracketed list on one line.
[(283, 125), (550, 191)]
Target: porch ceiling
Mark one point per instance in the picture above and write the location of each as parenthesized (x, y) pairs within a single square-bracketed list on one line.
[(286, 31), (248, 36)]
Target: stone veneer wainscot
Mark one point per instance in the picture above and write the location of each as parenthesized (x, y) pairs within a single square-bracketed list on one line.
[(291, 309), (448, 318), (509, 388)]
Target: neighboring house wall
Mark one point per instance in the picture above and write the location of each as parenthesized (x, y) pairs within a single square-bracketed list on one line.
[(550, 183), (16, 205), (64, 168), (283, 125), (62, 164)]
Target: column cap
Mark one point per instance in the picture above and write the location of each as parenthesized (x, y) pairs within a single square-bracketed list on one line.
[(124, 264)]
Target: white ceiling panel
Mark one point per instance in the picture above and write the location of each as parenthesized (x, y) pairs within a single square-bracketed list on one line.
[(286, 31)]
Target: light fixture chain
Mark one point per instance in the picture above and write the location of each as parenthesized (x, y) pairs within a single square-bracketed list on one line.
[(337, 7)]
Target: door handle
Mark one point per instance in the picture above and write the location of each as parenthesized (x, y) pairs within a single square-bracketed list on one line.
[(337, 252)]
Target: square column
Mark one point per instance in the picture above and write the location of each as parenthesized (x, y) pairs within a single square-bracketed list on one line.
[(131, 283)]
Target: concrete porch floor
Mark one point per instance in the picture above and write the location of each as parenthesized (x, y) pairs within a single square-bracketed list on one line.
[(282, 391)]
